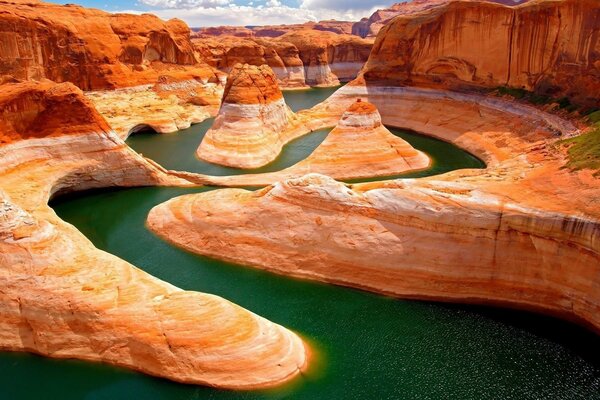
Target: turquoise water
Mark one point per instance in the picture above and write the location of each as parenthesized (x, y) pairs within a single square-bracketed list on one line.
[(368, 346)]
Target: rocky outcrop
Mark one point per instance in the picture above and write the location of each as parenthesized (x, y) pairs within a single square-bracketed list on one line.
[(329, 58), (546, 46), (358, 147), (248, 131), (282, 57), (521, 233), (271, 31), (370, 27), (94, 49), (61, 297), (298, 58)]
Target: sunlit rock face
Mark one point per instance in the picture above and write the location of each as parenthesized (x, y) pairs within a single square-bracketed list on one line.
[(61, 297), (247, 130), (94, 49), (329, 58), (550, 47), (370, 27)]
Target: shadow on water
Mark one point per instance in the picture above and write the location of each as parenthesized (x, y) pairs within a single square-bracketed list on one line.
[(368, 346)]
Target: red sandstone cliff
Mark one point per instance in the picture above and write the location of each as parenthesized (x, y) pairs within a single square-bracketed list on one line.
[(550, 47), (45, 109), (91, 48), (372, 25), (298, 58)]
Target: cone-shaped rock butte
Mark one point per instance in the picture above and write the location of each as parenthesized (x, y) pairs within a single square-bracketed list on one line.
[(366, 346)]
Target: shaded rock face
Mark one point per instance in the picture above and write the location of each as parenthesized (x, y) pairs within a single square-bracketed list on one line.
[(91, 48), (370, 27), (45, 109), (550, 47), (253, 113)]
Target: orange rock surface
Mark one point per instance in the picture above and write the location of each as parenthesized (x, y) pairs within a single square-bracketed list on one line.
[(94, 49), (520, 233), (252, 124), (61, 297), (547, 46), (359, 146), (370, 27), (282, 57), (329, 58)]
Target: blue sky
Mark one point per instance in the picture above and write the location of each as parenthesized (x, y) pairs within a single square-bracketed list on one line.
[(243, 12)]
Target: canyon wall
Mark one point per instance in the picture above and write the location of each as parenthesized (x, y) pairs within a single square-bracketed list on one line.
[(63, 298), (370, 27), (94, 49), (546, 46)]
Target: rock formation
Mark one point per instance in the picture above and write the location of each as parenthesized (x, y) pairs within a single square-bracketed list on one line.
[(521, 233), (329, 58), (546, 46), (370, 27), (248, 131), (61, 297), (94, 49), (358, 147), (282, 57), (298, 58), (271, 31)]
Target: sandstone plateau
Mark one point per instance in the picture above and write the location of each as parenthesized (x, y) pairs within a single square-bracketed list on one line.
[(94, 49), (546, 46), (251, 127), (61, 297)]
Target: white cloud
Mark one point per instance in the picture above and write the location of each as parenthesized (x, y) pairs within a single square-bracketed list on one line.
[(202, 13), (246, 15)]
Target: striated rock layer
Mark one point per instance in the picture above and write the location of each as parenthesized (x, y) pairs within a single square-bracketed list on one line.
[(298, 57), (358, 147), (61, 297), (551, 47), (248, 131), (94, 49), (521, 233), (370, 27)]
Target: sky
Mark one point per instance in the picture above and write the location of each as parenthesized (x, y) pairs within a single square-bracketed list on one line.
[(199, 13)]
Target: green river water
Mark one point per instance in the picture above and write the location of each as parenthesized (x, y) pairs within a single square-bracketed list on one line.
[(368, 346)]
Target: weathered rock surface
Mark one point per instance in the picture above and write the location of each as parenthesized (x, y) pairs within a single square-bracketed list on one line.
[(271, 31), (521, 233), (370, 27), (329, 58), (61, 297), (298, 58), (164, 107), (358, 147), (249, 130), (282, 57), (547, 46), (94, 49)]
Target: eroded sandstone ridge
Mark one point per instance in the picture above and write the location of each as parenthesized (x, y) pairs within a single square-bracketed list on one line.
[(94, 49), (61, 297), (514, 234), (249, 129), (547, 46)]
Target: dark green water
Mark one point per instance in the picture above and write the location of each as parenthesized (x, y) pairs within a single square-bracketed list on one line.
[(369, 346), (303, 99)]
